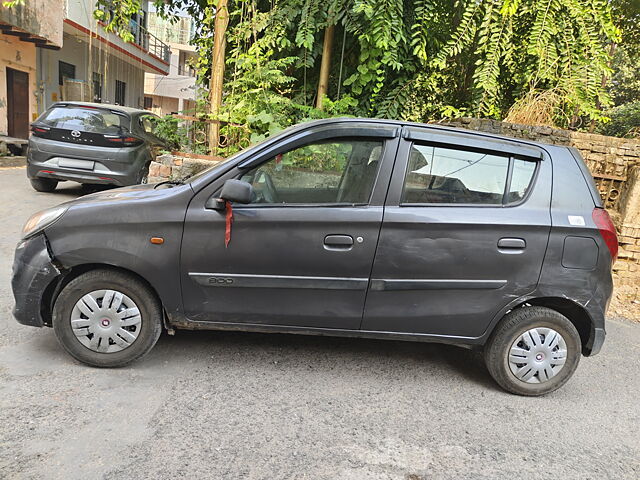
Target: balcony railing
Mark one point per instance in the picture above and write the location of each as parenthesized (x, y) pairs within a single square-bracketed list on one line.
[(143, 38), (172, 34), (149, 42)]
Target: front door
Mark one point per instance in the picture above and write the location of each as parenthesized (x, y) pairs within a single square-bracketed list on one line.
[(465, 230), (18, 103), (301, 253)]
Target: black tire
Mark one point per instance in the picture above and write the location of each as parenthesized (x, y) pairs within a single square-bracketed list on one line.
[(143, 176), (147, 303), (512, 326), (95, 187), (44, 184)]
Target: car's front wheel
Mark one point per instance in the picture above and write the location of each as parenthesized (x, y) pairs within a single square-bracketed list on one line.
[(533, 351), (107, 318), (44, 184)]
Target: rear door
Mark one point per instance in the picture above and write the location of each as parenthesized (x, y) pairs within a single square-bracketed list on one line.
[(465, 229), (301, 253)]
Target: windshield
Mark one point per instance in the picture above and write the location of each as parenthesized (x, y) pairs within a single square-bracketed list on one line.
[(238, 154), (213, 167), (85, 119)]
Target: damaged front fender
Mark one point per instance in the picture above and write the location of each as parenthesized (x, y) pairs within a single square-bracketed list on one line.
[(33, 272)]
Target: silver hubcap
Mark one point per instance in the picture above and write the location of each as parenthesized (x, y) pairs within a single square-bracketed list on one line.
[(537, 355), (106, 321)]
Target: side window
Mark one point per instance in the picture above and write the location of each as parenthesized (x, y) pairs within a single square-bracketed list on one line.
[(451, 176), (336, 171)]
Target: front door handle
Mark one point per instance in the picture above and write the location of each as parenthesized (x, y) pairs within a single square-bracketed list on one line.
[(512, 243), (338, 242)]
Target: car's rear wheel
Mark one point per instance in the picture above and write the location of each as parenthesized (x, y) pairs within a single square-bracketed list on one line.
[(44, 184), (107, 318), (533, 351), (143, 176)]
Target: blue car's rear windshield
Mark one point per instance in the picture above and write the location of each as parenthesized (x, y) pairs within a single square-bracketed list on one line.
[(86, 119)]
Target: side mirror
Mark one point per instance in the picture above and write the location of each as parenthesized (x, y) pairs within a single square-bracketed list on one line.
[(235, 191)]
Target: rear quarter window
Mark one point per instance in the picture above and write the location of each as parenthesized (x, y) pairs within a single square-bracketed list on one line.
[(149, 123)]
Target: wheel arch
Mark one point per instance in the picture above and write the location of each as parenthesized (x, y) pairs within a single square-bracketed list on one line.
[(52, 291), (576, 314)]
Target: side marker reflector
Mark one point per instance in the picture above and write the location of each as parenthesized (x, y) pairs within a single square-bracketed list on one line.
[(157, 240)]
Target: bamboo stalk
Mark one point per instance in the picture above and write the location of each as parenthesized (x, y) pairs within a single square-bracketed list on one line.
[(323, 83), (217, 71)]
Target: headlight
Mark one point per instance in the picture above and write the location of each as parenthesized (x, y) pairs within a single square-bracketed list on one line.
[(42, 219)]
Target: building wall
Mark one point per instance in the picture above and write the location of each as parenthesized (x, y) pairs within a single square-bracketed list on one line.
[(175, 92), (40, 18), (76, 52), (80, 20), (164, 105), (19, 56), (174, 84)]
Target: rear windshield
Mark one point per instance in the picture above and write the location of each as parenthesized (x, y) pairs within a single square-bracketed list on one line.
[(84, 119)]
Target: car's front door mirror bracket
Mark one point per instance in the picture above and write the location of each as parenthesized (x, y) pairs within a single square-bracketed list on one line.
[(235, 191)]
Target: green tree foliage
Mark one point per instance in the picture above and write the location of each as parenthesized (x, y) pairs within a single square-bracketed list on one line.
[(624, 121), (409, 59), (624, 84)]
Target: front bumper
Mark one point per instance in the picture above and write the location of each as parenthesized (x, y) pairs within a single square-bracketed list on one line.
[(33, 272), (596, 341)]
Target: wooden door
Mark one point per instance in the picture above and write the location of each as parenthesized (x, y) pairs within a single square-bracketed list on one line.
[(18, 103)]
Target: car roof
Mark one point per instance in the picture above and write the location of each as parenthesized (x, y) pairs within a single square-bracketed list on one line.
[(433, 126), (105, 106)]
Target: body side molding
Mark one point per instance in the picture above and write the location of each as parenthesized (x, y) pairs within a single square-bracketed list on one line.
[(244, 280)]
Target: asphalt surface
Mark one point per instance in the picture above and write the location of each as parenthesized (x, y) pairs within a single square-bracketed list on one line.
[(258, 406)]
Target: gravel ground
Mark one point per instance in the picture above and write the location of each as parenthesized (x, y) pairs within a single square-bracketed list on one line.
[(252, 406)]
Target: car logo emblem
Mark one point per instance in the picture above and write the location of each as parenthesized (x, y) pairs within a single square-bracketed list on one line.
[(75, 133)]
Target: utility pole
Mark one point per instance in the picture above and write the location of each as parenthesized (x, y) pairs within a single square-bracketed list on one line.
[(217, 72), (323, 83)]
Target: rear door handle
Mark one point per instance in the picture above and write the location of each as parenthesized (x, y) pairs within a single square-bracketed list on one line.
[(512, 243), (338, 242)]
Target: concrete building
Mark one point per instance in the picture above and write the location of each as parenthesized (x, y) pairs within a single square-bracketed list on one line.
[(176, 92), (24, 30), (94, 65)]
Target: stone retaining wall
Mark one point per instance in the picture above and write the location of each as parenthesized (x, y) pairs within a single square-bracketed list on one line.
[(171, 167)]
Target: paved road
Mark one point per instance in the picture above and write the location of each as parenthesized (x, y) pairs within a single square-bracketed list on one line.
[(251, 406)]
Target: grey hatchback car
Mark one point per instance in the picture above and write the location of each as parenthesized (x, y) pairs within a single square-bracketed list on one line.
[(345, 227), (91, 143)]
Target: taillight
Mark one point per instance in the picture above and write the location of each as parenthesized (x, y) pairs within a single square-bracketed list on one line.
[(131, 141), (40, 131), (124, 141), (607, 230)]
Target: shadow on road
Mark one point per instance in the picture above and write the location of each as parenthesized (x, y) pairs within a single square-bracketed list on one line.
[(239, 352), (355, 356), (73, 189)]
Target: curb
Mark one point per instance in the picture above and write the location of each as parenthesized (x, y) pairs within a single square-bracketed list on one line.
[(13, 162)]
